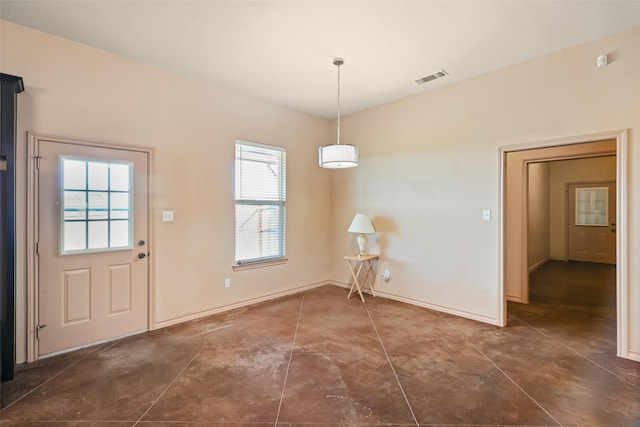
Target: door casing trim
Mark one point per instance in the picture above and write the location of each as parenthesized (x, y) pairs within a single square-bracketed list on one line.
[(33, 140), (622, 239)]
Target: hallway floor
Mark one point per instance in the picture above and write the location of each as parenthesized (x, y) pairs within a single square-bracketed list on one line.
[(316, 358)]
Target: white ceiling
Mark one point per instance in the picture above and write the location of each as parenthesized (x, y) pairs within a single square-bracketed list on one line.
[(282, 51)]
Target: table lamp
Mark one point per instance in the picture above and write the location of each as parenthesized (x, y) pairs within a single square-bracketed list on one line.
[(362, 225)]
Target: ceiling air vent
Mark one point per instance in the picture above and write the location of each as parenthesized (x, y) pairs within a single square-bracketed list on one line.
[(436, 75)]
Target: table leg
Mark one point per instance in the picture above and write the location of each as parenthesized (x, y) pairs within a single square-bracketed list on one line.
[(356, 283), (369, 269)]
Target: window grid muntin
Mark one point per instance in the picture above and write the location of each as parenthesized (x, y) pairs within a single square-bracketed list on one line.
[(87, 220)]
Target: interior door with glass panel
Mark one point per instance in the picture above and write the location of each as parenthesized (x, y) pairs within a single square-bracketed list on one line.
[(92, 244), (592, 222)]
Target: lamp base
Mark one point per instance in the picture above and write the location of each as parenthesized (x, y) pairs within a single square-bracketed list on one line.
[(362, 244)]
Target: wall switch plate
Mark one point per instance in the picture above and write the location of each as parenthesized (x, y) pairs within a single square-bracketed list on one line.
[(167, 216), (486, 215), (227, 283)]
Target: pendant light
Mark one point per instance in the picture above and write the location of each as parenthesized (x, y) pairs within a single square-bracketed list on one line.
[(338, 156)]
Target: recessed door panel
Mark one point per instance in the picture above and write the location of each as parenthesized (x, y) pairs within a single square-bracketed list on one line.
[(119, 289), (77, 296)]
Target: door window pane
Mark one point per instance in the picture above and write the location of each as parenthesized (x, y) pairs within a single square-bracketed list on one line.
[(75, 236), (98, 234), (98, 176), (591, 206), (75, 205), (75, 175), (119, 234), (119, 179), (119, 206), (96, 206)]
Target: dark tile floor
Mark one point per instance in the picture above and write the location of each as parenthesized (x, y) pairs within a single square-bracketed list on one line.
[(317, 358)]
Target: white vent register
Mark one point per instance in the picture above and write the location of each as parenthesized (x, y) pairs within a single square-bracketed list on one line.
[(430, 77)]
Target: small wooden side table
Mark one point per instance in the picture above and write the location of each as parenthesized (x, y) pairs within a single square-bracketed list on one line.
[(357, 264)]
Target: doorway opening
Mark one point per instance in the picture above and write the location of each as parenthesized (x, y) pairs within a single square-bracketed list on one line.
[(517, 255)]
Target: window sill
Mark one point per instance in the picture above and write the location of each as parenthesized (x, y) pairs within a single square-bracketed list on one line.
[(259, 264)]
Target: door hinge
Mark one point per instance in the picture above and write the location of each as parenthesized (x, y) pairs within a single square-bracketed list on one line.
[(38, 330), (37, 248), (37, 158)]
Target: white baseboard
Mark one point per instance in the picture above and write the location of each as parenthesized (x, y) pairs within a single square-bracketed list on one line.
[(68, 350), (539, 264), (435, 307), (239, 304), (441, 308), (633, 355)]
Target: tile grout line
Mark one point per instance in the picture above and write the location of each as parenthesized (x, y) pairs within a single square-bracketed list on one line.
[(286, 375), (544, 334), (55, 376), (391, 365), (170, 384), (500, 369)]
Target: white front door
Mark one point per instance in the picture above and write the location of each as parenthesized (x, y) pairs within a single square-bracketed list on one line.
[(92, 214)]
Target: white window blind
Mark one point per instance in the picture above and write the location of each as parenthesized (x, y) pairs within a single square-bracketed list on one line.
[(260, 196)]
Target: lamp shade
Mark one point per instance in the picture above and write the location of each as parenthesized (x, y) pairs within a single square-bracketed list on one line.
[(338, 156), (361, 224)]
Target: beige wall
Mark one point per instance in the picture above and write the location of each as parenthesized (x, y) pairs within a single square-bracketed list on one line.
[(538, 215), (429, 166), (561, 173), (77, 91)]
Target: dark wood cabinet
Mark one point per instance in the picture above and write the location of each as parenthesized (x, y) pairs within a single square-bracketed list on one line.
[(11, 87)]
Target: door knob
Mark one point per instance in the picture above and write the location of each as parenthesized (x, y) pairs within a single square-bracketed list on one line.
[(141, 255)]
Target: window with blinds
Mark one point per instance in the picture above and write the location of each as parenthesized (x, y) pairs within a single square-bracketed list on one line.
[(260, 196)]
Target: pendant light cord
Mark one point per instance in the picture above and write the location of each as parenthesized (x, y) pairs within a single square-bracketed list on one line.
[(338, 132)]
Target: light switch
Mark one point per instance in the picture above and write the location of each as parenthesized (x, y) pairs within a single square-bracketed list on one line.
[(486, 215), (167, 216)]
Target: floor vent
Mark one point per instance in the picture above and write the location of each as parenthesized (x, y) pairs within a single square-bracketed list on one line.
[(430, 77)]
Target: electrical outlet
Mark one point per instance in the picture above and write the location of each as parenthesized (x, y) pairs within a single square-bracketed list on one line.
[(386, 275), (167, 216), (227, 283)]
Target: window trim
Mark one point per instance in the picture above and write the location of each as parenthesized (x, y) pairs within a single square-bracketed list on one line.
[(281, 204)]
